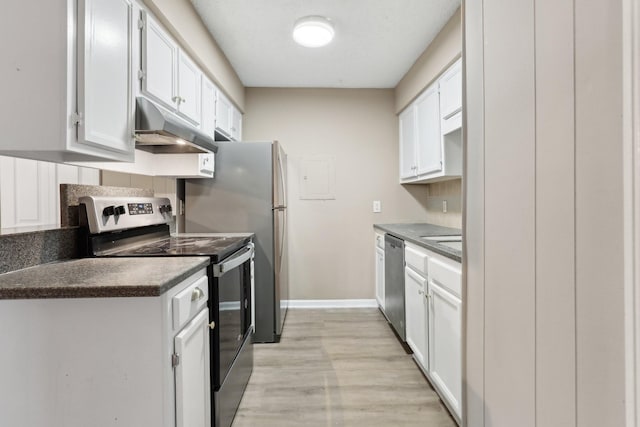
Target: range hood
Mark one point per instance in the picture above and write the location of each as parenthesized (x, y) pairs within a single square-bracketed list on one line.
[(159, 131)]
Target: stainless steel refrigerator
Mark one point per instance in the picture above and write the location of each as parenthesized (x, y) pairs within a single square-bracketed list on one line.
[(248, 194)]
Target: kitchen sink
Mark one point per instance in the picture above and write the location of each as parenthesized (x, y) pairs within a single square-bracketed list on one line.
[(442, 238), (453, 242), (452, 245)]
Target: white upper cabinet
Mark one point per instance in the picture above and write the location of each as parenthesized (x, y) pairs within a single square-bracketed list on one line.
[(408, 143), (159, 59), (236, 125), (429, 143), (104, 55), (208, 103), (168, 75), (430, 147), (188, 94), (228, 118), (451, 91), (224, 113), (67, 86)]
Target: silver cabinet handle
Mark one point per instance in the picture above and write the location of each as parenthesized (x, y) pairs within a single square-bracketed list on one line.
[(212, 325), (196, 294)]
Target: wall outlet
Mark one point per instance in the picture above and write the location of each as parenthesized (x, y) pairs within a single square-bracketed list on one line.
[(377, 207), (444, 206)]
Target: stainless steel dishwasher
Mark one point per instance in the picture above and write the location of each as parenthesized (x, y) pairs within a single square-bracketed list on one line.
[(394, 283)]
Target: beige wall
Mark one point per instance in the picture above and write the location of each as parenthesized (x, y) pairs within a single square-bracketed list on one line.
[(185, 24), (161, 186), (544, 226), (331, 242), (442, 52), (451, 192)]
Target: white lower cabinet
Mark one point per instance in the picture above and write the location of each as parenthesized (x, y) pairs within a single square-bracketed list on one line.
[(416, 315), (130, 361), (433, 314), (192, 388), (445, 316), (379, 252)]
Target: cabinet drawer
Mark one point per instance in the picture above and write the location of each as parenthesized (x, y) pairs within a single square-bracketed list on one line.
[(415, 258), (188, 302), (446, 275)]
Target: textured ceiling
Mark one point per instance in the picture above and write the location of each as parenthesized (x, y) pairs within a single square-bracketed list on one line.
[(376, 41)]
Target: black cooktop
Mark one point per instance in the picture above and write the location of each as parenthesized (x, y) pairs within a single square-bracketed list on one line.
[(215, 247)]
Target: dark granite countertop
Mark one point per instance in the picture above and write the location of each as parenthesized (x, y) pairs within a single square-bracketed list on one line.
[(100, 277), (413, 232)]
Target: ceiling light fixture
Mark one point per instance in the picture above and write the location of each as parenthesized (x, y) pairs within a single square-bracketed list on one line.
[(313, 31)]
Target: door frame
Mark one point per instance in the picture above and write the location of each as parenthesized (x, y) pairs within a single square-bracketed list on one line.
[(631, 171)]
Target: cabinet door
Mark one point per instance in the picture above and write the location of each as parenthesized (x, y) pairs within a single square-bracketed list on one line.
[(445, 319), (451, 91), (192, 373), (28, 193), (208, 125), (189, 79), (408, 143), (380, 277), (223, 114), (429, 139), (236, 124), (416, 321), (159, 59), (105, 102)]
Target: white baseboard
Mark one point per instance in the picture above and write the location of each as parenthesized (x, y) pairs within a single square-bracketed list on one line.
[(333, 303)]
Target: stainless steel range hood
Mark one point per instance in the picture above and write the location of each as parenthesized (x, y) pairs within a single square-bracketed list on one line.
[(161, 132)]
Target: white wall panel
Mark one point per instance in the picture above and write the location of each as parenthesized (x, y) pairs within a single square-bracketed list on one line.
[(555, 213)]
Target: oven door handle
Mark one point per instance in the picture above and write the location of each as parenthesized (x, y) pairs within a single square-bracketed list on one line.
[(234, 261)]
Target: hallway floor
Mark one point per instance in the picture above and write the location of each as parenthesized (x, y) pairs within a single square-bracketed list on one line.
[(338, 367)]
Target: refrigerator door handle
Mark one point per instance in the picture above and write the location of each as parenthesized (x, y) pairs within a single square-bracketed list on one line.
[(282, 179)]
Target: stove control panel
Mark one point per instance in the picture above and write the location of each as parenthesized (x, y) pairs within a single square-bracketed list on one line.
[(120, 213), (141, 208)]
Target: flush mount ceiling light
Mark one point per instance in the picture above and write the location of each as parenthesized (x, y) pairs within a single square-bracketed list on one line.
[(313, 31)]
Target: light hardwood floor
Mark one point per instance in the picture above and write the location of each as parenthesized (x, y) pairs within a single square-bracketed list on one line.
[(341, 367)]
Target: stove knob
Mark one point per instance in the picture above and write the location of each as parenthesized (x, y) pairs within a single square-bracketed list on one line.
[(167, 209), (120, 210), (108, 211)]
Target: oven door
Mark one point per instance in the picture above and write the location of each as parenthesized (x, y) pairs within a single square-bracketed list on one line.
[(230, 310)]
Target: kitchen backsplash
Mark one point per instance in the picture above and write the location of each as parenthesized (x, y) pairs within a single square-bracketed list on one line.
[(27, 249), (451, 193)]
